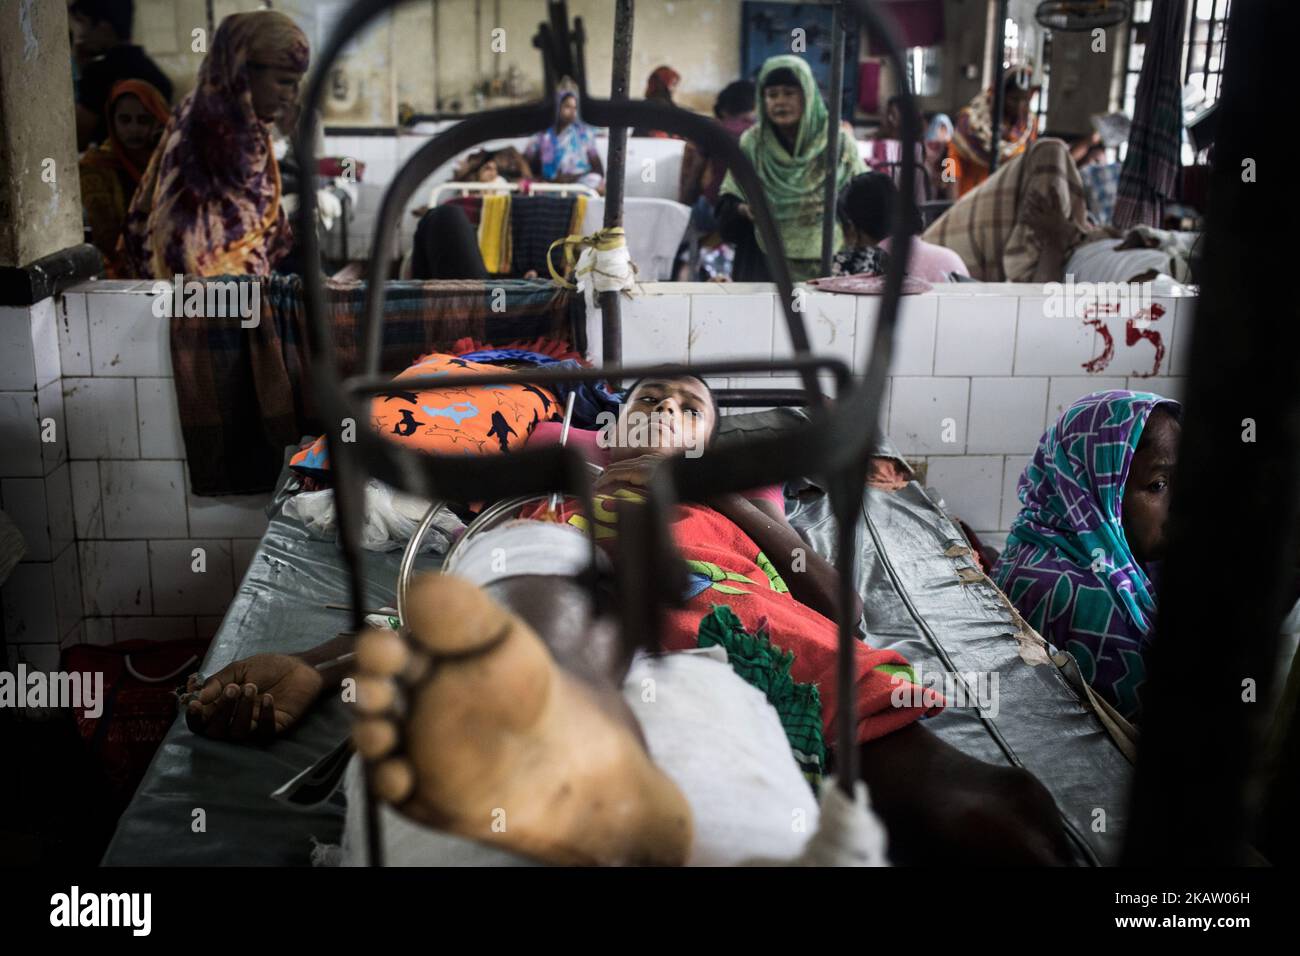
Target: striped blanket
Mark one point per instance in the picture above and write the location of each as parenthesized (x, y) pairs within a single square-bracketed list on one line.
[(246, 393), (1153, 161), (984, 227)]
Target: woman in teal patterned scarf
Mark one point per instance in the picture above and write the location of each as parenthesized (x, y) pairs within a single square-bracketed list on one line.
[(1081, 555), (788, 148)]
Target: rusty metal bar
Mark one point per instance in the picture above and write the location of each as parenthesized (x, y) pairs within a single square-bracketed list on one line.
[(611, 321), (836, 93), (999, 95)]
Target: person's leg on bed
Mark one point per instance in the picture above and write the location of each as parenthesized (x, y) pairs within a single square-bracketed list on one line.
[(517, 734), (938, 802)]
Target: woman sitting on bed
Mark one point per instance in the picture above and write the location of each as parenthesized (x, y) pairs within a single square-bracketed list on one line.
[(1083, 553), (566, 153)]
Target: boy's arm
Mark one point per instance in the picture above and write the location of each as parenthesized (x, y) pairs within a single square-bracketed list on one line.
[(257, 697), (815, 583)]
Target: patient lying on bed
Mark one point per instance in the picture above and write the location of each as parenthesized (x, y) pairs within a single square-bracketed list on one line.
[(521, 706)]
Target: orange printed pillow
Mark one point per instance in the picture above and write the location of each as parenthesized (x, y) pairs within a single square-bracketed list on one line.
[(466, 420)]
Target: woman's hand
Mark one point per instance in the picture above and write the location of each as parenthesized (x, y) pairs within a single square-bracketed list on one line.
[(745, 211), (252, 699)]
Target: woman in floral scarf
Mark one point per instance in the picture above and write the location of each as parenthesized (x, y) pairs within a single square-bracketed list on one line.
[(971, 146), (110, 172), (209, 203), (1083, 554)]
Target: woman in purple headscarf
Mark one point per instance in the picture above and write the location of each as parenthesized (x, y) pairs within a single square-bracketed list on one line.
[(209, 202), (1083, 553)]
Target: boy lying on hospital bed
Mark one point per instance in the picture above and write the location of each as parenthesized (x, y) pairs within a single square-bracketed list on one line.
[(519, 703)]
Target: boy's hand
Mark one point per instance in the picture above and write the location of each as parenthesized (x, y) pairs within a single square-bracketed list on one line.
[(630, 471), (252, 699)]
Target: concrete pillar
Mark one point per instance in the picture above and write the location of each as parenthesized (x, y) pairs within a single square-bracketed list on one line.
[(1082, 67), (40, 196)]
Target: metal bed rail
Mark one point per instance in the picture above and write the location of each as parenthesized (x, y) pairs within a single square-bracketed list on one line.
[(835, 443)]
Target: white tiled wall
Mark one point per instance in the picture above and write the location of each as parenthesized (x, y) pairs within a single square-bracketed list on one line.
[(41, 598), (979, 369), (112, 525), (106, 508)]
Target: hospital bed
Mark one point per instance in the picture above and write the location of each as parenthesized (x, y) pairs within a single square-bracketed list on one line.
[(923, 594)]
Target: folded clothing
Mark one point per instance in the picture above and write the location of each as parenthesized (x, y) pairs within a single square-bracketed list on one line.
[(245, 393)]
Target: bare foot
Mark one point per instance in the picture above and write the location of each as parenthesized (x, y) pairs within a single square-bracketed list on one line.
[(500, 744)]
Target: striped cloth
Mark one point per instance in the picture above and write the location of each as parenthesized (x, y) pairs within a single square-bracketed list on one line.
[(1100, 184), (767, 667), (984, 227), (536, 222), (1153, 161), (244, 394)]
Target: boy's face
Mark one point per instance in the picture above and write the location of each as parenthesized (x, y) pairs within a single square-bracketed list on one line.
[(90, 38), (665, 416)]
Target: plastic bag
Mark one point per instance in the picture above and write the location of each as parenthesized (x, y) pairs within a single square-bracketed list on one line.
[(391, 517)]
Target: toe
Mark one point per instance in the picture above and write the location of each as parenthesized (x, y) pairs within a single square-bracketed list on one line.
[(374, 738), (381, 653), (375, 695), (394, 780)]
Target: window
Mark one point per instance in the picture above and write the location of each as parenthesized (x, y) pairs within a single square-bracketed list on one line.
[(1207, 30), (924, 70), (1020, 46), (1203, 49)]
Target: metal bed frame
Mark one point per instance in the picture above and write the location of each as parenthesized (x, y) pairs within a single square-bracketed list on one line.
[(835, 443)]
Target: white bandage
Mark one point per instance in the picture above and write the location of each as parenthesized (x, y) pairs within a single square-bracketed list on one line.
[(520, 548), (604, 271)]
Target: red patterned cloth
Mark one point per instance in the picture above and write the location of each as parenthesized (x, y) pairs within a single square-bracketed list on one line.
[(727, 567)]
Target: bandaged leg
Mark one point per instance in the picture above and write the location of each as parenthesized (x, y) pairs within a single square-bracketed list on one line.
[(498, 742), (722, 743), (537, 753)]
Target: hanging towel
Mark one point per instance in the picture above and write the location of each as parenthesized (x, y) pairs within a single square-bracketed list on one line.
[(1149, 178), (536, 222), (494, 233), (579, 213)]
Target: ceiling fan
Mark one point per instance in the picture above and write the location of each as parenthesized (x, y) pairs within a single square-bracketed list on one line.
[(1081, 15)]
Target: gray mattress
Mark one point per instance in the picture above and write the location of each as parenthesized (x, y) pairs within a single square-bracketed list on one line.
[(921, 596)]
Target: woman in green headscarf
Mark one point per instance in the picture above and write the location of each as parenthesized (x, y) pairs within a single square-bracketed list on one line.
[(788, 148)]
